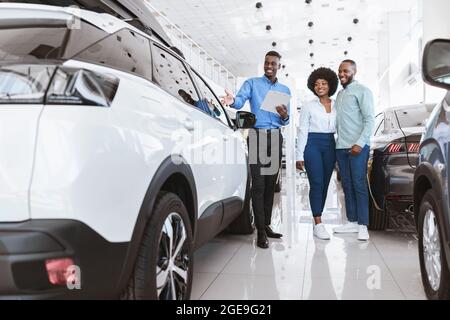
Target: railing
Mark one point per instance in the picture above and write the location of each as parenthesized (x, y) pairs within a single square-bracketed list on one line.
[(196, 56)]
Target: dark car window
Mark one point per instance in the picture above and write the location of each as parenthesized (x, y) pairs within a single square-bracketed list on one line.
[(45, 40), (171, 75), (211, 100), (124, 50)]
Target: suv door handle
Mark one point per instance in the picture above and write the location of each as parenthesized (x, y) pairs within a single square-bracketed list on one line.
[(226, 138), (189, 125)]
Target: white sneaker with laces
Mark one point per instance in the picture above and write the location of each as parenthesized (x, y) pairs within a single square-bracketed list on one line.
[(363, 233), (351, 227), (320, 232)]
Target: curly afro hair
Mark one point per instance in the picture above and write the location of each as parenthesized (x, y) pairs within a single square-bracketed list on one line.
[(324, 74)]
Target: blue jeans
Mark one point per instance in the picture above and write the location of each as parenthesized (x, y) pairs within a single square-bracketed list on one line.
[(320, 158), (353, 170)]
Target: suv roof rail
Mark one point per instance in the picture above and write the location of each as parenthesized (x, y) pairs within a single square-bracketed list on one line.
[(136, 13)]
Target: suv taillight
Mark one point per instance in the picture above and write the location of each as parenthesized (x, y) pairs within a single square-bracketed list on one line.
[(400, 148)]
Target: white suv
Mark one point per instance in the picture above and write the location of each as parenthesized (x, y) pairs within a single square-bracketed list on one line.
[(117, 160)]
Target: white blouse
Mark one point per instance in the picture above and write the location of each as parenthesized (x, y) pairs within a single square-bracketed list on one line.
[(314, 119)]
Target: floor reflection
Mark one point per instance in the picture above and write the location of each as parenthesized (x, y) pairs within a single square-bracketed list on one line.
[(300, 267)]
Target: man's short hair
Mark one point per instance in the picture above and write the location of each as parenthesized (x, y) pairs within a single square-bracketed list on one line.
[(273, 54), (353, 63)]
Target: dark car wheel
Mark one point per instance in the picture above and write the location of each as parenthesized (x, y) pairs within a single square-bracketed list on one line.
[(435, 272), (378, 219), (164, 266)]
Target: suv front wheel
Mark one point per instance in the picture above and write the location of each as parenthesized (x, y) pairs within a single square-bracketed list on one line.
[(164, 266), (435, 272)]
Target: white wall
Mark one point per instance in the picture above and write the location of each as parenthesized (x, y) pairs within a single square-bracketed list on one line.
[(400, 54)]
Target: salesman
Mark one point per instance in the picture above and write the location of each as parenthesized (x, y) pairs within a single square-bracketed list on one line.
[(265, 142)]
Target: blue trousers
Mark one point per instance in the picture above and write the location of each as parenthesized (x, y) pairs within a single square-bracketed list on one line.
[(353, 170), (320, 158)]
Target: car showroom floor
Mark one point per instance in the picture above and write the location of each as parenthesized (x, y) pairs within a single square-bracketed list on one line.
[(300, 267)]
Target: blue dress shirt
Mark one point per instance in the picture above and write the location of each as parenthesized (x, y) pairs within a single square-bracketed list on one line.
[(255, 91)]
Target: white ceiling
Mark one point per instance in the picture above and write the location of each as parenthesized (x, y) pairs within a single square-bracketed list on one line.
[(235, 34)]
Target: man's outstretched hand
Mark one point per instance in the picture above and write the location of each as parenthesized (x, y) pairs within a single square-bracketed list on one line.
[(227, 99)]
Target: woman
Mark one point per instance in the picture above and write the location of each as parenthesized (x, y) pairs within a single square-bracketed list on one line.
[(316, 150)]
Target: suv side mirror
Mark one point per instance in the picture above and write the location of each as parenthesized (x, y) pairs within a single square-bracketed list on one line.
[(436, 63), (245, 120)]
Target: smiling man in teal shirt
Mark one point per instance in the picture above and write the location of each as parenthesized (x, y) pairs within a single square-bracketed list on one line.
[(354, 123)]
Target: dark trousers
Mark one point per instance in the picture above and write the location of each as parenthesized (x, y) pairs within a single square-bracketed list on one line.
[(265, 152), (320, 159), (353, 170)]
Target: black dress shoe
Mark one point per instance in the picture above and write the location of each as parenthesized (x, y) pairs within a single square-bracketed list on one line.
[(273, 235), (262, 241)]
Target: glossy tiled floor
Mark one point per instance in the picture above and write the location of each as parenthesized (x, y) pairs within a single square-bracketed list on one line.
[(299, 267)]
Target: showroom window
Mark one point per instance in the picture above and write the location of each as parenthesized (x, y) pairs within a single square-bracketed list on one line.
[(379, 124), (124, 50), (210, 98), (171, 75)]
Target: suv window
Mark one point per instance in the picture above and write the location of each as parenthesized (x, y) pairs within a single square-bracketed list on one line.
[(209, 98), (43, 40), (124, 50), (171, 75)]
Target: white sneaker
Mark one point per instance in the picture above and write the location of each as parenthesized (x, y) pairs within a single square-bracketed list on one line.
[(320, 232), (351, 227), (363, 234)]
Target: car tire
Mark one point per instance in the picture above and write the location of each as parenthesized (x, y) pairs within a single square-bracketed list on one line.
[(437, 287), (378, 219), (154, 276), (245, 223)]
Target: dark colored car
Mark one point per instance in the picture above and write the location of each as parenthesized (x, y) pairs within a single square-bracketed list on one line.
[(394, 155), (432, 179)]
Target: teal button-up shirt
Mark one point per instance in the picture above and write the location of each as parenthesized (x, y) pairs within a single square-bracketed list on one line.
[(355, 116)]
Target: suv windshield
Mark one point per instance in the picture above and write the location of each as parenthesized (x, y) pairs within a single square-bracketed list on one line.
[(41, 40)]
